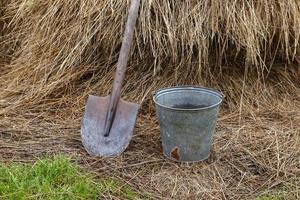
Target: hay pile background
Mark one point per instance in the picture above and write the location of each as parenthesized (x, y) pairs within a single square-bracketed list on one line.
[(55, 53)]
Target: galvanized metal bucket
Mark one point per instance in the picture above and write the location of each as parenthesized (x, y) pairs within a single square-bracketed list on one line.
[(187, 117)]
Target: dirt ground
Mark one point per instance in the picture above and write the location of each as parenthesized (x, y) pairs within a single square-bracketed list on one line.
[(253, 154)]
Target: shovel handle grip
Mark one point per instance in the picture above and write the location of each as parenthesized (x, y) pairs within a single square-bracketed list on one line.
[(122, 63)]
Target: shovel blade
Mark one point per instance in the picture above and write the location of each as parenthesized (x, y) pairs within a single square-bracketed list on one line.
[(92, 127)]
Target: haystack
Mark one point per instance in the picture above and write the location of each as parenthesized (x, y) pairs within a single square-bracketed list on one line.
[(64, 45), (62, 50)]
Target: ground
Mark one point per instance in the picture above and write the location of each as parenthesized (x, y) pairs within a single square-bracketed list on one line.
[(255, 156)]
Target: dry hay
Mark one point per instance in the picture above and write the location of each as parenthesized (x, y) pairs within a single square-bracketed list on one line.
[(7, 43), (72, 45), (2, 11), (61, 51)]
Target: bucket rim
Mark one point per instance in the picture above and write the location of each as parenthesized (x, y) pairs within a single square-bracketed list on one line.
[(188, 87)]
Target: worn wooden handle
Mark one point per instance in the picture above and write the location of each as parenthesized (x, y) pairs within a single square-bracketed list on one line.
[(122, 63)]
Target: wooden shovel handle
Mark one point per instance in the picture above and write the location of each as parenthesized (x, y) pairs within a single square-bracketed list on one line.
[(122, 63)]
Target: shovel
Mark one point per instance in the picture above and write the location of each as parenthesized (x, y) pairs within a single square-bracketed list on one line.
[(108, 122)]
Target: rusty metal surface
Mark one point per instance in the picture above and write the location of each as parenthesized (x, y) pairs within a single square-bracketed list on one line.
[(92, 129), (187, 131)]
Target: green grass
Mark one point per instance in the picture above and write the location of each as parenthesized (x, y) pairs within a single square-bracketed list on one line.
[(285, 191), (55, 179), (270, 197)]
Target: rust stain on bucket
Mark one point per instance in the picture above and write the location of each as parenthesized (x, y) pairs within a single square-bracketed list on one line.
[(175, 153)]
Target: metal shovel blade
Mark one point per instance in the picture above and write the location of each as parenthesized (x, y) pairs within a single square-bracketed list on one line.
[(93, 122)]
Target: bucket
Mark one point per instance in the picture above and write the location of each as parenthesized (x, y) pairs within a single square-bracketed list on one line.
[(187, 117)]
